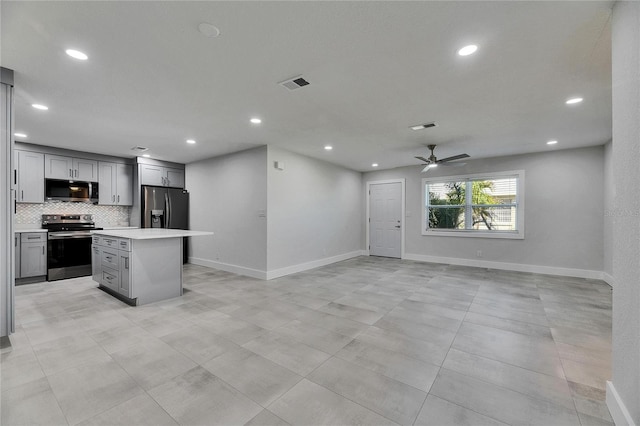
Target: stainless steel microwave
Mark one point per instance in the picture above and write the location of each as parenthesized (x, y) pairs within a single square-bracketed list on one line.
[(70, 190)]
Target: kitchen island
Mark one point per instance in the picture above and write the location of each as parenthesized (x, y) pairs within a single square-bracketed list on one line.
[(139, 266)]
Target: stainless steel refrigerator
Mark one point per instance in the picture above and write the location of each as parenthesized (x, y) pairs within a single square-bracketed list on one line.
[(165, 208)]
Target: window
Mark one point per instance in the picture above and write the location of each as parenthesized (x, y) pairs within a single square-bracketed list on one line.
[(490, 205)]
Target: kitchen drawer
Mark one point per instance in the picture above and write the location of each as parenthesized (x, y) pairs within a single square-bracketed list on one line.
[(110, 259), (110, 242), (110, 279), (124, 244), (33, 237), (97, 240)]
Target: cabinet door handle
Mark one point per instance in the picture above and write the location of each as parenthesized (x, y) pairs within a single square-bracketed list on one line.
[(118, 198), (114, 198), (15, 176), (70, 173), (22, 194), (126, 263), (42, 249)]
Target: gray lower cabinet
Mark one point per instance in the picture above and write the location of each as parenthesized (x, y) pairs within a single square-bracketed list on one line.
[(16, 250), (33, 254), (110, 264)]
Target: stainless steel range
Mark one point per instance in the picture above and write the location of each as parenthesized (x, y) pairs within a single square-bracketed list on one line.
[(68, 245)]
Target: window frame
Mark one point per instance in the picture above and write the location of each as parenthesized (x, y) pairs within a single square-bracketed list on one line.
[(477, 233)]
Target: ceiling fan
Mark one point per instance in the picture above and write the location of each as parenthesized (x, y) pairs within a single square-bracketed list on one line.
[(432, 161)]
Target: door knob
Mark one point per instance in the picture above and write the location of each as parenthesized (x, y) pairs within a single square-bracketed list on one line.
[(397, 226)]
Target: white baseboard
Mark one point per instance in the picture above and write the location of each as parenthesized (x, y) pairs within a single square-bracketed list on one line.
[(241, 270), (276, 273), (618, 410), (518, 267)]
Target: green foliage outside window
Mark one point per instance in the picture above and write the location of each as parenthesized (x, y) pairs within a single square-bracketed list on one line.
[(441, 216)]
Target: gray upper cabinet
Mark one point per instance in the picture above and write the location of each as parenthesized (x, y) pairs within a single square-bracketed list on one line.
[(151, 175), (29, 177), (161, 176), (116, 184), (61, 167), (124, 184), (175, 177)]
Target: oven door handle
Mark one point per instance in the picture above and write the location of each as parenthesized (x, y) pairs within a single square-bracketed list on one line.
[(66, 236)]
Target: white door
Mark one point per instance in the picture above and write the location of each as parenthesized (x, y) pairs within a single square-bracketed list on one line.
[(385, 216)]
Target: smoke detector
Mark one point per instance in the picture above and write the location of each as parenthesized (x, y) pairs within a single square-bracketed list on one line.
[(139, 149), (294, 83)]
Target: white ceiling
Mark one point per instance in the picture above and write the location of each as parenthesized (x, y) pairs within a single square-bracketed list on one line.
[(375, 69)]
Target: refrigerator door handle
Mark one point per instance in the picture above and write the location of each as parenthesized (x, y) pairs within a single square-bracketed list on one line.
[(167, 209)]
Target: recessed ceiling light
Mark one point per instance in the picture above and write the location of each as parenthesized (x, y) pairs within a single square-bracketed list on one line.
[(146, 155), (19, 135), (256, 120), (39, 106), (468, 50), (191, 141), (76, 54), (208, 30), (574, 101), (552, 142), (328, 147), (374, 165)]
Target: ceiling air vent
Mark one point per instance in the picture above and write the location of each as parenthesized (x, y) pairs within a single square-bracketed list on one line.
[(423, 126), (294, 83), (139, 149)]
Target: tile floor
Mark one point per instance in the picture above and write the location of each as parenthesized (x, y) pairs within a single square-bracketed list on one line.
[(365, 341)]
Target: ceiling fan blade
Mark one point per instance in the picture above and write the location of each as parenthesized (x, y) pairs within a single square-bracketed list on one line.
[(427, 168), (447, 164), (422, 159), (455, 157)]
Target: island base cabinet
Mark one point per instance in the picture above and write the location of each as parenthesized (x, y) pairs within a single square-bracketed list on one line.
[(96, 262), (156, 270), (140, 271), (125, 275)]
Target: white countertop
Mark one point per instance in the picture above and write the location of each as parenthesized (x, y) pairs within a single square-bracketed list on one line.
[(109, 228), (29, 230), (150, 233)]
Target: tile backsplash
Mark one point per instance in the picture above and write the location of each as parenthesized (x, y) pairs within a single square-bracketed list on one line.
[(104, 216)]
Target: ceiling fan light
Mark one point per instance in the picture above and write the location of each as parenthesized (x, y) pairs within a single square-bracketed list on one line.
[(468, 50)]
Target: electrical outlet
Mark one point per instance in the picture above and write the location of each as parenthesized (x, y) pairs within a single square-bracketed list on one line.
[(479, 253)]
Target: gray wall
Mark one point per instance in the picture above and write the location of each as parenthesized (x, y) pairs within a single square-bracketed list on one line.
[(608, 212), (626, 219), (563, 211), (227, 195), (314, 209), (6, 203)]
